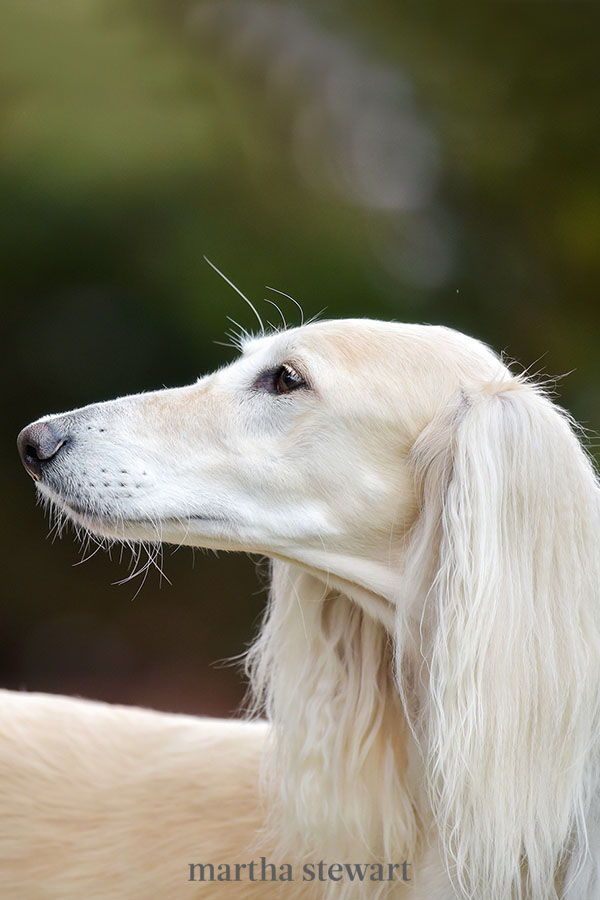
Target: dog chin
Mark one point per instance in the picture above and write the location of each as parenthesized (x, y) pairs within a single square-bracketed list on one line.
[(101, 523), (203, 531)]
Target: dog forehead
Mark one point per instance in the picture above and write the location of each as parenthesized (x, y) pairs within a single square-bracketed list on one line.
[(354, 344), (351, 343), (402, 352)]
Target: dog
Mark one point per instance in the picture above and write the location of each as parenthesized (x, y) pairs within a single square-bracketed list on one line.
[(429, 662)]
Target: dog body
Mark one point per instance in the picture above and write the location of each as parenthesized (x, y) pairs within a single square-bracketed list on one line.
[(430, 659), (109, 802)]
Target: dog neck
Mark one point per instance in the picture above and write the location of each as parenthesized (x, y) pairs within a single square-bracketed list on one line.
[(370, 585), (323, 667)]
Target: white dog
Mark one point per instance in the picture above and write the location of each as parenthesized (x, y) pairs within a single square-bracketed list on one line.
[(429, 662)]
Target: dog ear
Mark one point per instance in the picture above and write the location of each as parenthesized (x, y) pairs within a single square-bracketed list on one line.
[(322, 669), (510, 635)]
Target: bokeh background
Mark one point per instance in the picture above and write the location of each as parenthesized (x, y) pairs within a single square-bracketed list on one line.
[(417, 161)]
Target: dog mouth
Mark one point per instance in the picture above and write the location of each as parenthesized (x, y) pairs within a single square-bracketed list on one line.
[(116, 524)]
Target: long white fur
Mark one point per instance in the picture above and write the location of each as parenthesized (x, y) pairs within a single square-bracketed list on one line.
[(430, 657)]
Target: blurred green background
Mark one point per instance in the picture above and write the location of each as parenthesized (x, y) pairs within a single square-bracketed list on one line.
[(410, 161)]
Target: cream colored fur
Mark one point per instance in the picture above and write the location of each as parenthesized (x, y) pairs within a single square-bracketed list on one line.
[(109, 802), (429, 660)]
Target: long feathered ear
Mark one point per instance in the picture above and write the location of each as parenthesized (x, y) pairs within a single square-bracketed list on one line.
[(323, 670), (509, 633)]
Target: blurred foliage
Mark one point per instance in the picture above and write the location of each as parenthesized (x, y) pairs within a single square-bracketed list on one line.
[(420, 162)]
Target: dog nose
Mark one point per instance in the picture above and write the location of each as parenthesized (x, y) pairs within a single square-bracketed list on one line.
[(37, 444)]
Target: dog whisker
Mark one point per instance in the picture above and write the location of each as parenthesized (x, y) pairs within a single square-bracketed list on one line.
[(293, 300), (238, 291)]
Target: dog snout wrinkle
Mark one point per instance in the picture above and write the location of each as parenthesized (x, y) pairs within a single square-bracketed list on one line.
[(38, 444)]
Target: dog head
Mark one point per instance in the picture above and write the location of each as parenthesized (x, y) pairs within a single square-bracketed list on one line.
[(299, 449)]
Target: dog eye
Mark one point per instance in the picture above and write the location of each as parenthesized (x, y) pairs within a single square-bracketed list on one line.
[(286, 379), (280, 380)]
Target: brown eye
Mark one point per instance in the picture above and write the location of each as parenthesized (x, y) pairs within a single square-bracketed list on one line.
[(280, 380), (286, 379)]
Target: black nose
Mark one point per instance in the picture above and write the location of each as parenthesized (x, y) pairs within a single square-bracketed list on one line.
[(37, 444)]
